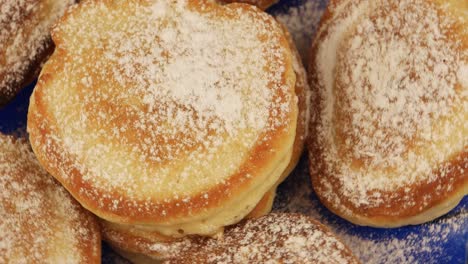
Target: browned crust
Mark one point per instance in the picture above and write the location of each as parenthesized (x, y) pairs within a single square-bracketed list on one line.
[(133, 240), (391, 213), (56, 161), (137, 241), (34, 64), (32, 71), (201, 255), (90, 250), (262, 4), (302, 90), (88, 244), (199, 249), (264, 206)]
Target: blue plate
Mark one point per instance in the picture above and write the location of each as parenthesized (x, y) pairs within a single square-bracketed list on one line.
[(444, 240)]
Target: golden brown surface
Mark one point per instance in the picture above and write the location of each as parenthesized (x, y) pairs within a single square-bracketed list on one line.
[(278, 238), (262, 4), (39, 221), (303, 95), (146, 131), (130, 238), (25, 41), (388, 137)]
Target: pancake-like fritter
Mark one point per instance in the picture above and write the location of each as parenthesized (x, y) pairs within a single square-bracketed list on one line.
[(274, 238), (133, 239), (389, 135), (175, 117), (39, 221), (25, 41)]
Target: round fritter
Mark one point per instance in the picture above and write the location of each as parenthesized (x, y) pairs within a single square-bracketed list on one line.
[(388, 135), (176, 117)]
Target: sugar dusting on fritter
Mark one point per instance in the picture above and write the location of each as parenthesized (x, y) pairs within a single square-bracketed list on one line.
[(275, 238), (391, 104), (24, 34), (428, 241), (278, 237), (36, 212), (167, 85)]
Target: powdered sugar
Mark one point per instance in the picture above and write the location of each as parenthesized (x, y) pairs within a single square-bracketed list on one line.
[(392, 104), (24, 37), (166, 103), (431, 242), (275, 238), (462, 75), (184, 90), (39, 219), (403, 104)]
